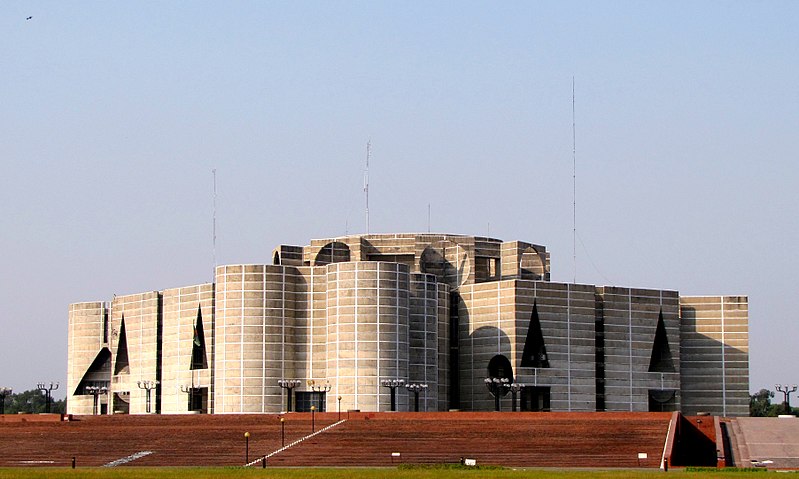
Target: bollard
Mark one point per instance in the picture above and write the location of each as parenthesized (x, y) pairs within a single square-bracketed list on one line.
[(263, 462), (73, 462)]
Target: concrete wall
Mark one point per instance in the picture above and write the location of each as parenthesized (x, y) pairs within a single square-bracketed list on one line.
[(181, 309), (715, 355), (566, 314), (141, 318), (253, 337), (368, 320), (423, 343), (84, 343), (310, 331), (630, 322)]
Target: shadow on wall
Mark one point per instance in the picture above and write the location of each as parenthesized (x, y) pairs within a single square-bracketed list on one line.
[(704, 358), (486, 354)]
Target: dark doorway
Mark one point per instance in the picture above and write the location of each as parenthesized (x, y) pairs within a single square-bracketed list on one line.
[(121, 403), (198, 400), (306, 399), (662, 400), (500, 367), (535, 398)]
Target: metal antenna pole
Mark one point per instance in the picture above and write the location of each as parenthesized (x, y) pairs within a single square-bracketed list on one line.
[(574, 186), (428, 217), (366, 181), (214, 225)]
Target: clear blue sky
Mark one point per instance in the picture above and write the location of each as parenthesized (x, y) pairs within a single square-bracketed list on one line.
[(113, 114)]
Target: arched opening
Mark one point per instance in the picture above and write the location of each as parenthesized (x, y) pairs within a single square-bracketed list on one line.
[(662, 400), (335, 252), (500, 367), (531, 264), (500, 377), (448, 261)]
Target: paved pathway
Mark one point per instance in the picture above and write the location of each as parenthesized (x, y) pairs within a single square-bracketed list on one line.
[(768, 439)]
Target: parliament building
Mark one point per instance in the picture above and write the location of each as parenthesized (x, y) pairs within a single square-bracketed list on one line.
[(380, 321)]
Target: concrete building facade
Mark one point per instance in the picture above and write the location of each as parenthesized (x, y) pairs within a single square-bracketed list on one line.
[(341, 316)]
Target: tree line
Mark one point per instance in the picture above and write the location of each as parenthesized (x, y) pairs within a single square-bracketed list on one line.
[(760, 405), (32, 402)]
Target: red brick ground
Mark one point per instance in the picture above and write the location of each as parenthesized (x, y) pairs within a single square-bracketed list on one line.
[(366, 439)]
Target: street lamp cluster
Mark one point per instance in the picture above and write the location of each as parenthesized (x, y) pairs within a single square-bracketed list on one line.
[(500, 387), (47, 392), (393, 384), (147, 386), (786, 391), (320, 388), (416, 388), (96, 391), (288, 385)]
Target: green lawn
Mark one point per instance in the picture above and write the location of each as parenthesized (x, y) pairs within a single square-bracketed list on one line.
[(367, 473)]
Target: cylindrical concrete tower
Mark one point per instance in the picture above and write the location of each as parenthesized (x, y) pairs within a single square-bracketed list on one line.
[(367, 333), (253, 336), (423, 339)]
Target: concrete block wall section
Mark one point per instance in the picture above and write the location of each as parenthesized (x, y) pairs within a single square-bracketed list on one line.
[(715, 355), (368, 315), (141, 323), (182, 309), (253, 337), (566, 315), (630, 324), (85, 341)]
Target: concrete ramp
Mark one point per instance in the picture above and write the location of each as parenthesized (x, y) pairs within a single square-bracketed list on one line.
[(770, 442)]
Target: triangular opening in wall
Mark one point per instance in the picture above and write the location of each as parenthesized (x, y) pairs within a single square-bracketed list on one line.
[(661, 361), (198, 357), (121, 365), (100, 367), (535, 353)]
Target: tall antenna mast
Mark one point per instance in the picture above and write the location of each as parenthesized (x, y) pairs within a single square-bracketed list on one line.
[(214, 224), (574, 186), (366, 181)]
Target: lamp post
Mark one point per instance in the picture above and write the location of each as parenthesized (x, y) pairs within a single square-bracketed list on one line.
[(288, 385), (185, 388), (319, 389), (786, 391), (96, 391), (339, 408), (515, 388), (313, 424), (147, 386), (393, 384), (416, 388), (246, 447), (47, 390), (282, 432), (498, 387), (3, 393)]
